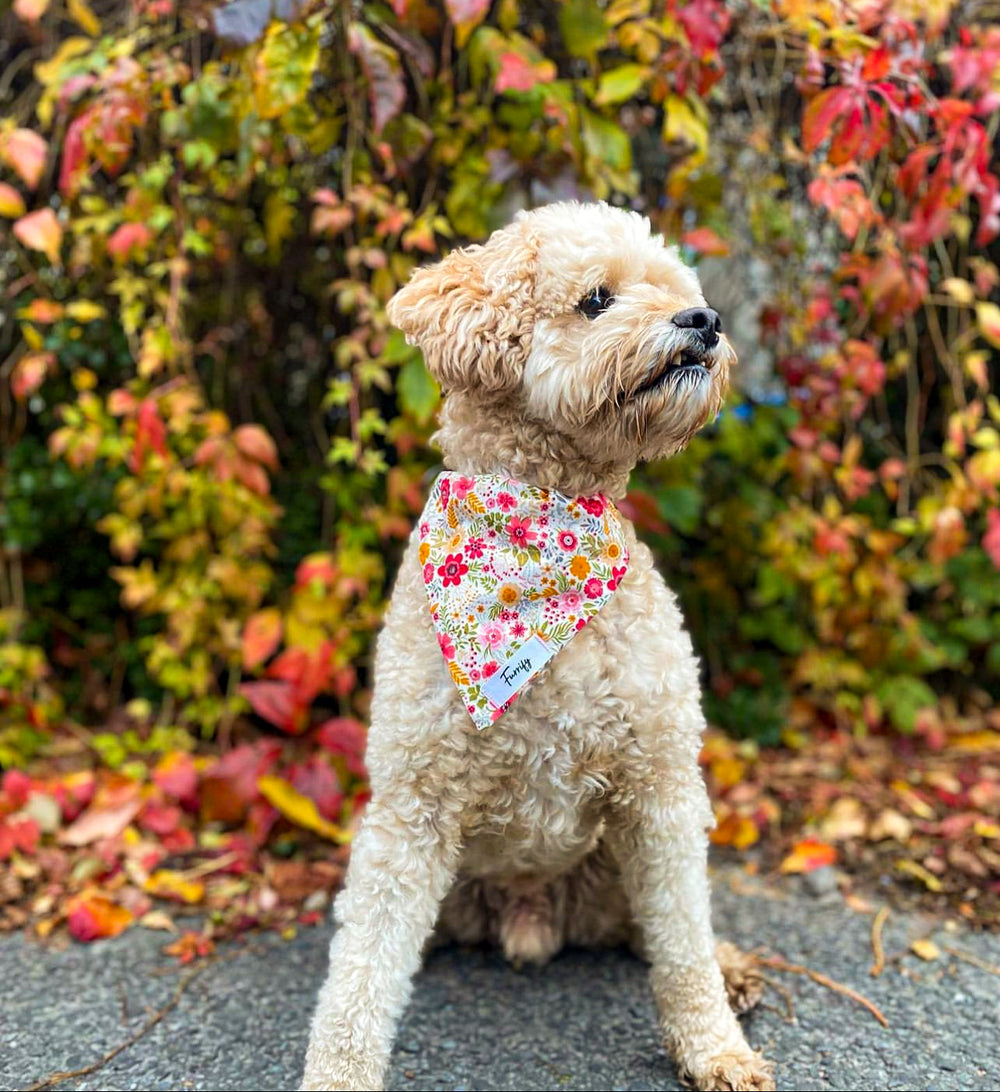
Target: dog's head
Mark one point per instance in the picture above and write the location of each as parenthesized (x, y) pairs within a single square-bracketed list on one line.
[(582, 319)]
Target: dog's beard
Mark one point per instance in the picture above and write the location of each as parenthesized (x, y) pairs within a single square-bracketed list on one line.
[(671, 388)]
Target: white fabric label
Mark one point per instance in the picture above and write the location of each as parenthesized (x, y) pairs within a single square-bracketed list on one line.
[(524, 664)]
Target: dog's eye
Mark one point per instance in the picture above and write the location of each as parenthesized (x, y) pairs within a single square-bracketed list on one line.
[(596, 303)]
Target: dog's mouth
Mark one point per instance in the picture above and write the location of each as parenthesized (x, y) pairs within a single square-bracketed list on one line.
[(686, 362)]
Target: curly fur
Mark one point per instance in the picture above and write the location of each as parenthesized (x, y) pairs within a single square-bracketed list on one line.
[(580, 816)]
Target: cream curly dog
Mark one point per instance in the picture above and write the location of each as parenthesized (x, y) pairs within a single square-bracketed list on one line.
[(569, 347)]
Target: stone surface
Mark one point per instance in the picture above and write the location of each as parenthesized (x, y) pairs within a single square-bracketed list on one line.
[(584, 1022)]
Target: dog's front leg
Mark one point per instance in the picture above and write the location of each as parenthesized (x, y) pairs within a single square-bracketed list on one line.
[(402, 864), (660, 840)]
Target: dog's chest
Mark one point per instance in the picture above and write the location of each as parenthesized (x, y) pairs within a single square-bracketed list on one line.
[(557, 763)]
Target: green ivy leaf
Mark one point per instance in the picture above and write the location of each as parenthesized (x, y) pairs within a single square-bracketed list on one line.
[(418, 393)]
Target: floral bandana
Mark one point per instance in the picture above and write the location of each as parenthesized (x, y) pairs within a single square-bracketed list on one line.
[(512, 573)]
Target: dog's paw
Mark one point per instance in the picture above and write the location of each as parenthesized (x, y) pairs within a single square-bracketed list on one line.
[(529, 932), (340, 1073), (734, 1073), (742, 974)]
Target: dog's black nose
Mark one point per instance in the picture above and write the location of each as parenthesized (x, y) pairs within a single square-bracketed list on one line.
[(704, 320)]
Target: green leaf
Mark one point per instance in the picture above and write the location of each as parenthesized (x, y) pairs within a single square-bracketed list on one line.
[(418, 393), (606, 141), (583, 27), (621, 83), (903, 697)]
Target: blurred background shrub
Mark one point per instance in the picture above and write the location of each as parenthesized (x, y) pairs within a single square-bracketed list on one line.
[(213, 444)]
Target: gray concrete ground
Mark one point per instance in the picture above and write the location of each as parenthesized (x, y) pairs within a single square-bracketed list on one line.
[(585, 1022)]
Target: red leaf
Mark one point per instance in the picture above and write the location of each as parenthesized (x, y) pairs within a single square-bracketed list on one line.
[(517, 73), (347, 737), (276, 703), (318, 567), (261, 635), (317, 779), (383, 71), (161, 819), (643, 511), (129, 240), (176, 776), (20, 834), (705, 241), (991, 540), (230, 786), (821, 113), (16, 787)]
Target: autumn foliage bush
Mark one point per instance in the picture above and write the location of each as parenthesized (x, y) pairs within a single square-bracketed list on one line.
[(212, 443)]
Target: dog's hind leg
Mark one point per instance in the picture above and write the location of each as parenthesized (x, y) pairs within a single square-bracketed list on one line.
[(742, 975)]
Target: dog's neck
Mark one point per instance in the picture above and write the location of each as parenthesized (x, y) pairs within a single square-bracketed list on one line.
[(501, 440)]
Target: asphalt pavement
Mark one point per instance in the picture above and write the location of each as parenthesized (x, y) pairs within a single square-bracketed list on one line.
[(584, 1022)]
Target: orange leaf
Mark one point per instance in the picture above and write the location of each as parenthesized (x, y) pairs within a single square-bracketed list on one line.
[(41, 231), (261, 635), (738, 831), (99, 822), (29, 373), (705, 241), (94, 917), (24, 151), (808, 855), (42, 312), (253, 442)]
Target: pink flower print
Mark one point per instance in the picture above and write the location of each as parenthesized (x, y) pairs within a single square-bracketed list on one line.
[(446, 645), (464, 486), (424, 528), (474, 675), (475, 546), (593, 588), (445, 492), (517, 629), (428, 573), (491, 667), (616, 575), (492, 635), (519, 530), (567, 540), (505, 502), (571, 601), (581, 623), (453, 569), (594, 505)]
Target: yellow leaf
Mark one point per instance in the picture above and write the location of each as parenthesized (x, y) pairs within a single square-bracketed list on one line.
[(681, 121), (959, 290), (988, 317), (11, 202), (299, 809), (79, 11), (168, 884), (85, 310), (926, 949), (928, 879)]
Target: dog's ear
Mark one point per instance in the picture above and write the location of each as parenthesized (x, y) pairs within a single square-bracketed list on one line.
[(472, 313)]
